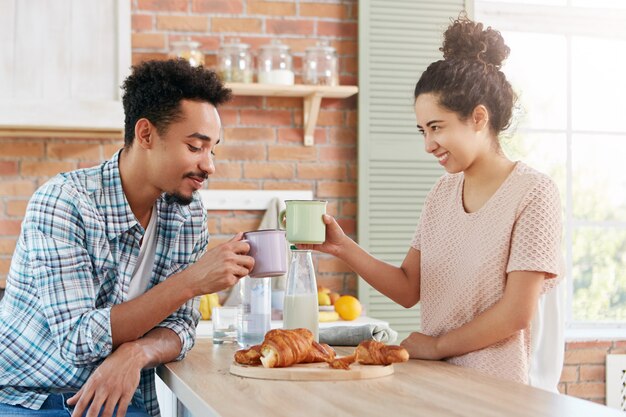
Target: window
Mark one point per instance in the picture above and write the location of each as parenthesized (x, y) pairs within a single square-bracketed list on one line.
[(567, 63)]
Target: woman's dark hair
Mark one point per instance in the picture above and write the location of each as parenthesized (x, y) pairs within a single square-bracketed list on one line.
[(469, 74), (155, 89)]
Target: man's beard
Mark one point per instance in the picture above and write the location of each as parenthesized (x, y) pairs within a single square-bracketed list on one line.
[(178, 199)]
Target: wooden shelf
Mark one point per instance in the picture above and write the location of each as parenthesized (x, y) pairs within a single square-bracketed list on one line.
[(312, 98)]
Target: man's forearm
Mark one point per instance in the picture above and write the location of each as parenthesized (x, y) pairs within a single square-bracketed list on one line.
[(133, 319), (159, 345)]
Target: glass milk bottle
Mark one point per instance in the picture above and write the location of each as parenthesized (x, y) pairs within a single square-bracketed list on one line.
[(255, 310), (300, 307)]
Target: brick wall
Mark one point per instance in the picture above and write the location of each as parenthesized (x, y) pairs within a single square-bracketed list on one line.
[(584, 368), (263, 136)]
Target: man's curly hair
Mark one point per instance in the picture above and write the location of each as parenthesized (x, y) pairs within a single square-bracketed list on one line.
[(155, 89)]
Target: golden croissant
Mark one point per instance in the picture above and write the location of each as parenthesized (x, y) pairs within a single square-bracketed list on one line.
[(282, 348), (372, 352)]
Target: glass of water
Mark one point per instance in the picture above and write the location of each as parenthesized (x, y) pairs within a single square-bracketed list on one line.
[(224, 324)]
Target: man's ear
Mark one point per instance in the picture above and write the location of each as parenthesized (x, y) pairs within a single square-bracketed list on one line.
[(480, 117), (144, 133)]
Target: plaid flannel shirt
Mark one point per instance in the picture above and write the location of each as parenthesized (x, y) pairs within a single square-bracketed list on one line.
[(73, 261)]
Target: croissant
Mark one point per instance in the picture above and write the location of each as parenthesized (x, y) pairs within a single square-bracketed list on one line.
[(250, 356), (282, 348), (371, 352)]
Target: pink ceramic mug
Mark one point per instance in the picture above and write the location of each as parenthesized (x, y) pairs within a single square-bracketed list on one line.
[(269, 250)]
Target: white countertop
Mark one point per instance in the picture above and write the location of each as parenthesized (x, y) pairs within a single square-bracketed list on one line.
[(205, 327)]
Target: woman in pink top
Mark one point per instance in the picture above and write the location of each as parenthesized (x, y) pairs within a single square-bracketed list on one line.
[(485, 258)]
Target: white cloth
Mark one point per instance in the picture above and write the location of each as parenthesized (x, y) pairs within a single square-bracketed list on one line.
[(547, 340), (145, 260)]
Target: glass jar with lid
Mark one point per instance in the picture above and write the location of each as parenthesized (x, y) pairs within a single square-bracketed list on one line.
[(275, 64), (234, 62), (188, 49), (320, 65)]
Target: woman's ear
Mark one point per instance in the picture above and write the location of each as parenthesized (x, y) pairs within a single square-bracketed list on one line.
[(144, 131), (480, 117)]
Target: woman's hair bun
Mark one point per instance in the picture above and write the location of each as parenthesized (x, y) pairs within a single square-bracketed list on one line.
[(466, 40)]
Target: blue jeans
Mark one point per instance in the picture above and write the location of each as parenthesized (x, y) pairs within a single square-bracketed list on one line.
[(56, 406)]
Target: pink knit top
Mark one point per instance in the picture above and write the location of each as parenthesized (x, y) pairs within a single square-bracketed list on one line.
[(465, 259)]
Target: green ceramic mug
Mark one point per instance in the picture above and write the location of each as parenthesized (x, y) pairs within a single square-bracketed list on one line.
[(303, 221)]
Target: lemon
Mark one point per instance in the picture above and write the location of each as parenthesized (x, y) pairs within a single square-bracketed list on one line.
[(348, 307), (323, 299)]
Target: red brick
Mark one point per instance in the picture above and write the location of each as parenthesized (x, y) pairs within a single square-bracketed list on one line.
[(345, 47), (589, 356), (227, 170), (335, 153), (7, 246), (264, 134), (296, 135), (337, 29), (292, 153), (330, 118), (350, 284), (587, 390), (16, 208), (142, 22), (109, 150), (223, 24), (212, 226), (336, 11), (332, 282), (244, 101), (234, 225), (17, 188), (332, 265), (268, 170), (266, 117), (88, 164), (322, 171), (353, 172), (349, 64), (45, 168), (286, 185), (352, 119), (619, 344), (229, 116), (10, 227), (593, 373), (349, 208), (336, 189), (183, 23), (163, 5), (562, 388), (234, 185), (143, 40), (342, 136), (226, 152), (217, 6), (354, 11), (139, 57), (285, 102), (292, 27), (589, 345), (60, 150), (8, 168), (569, 373), (271, 8), (300, 45), (21, 149)]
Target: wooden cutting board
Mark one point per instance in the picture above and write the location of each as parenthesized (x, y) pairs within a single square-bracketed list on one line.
[(312, 372)]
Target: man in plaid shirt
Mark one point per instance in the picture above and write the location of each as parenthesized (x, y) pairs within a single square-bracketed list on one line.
[(103, 281)]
